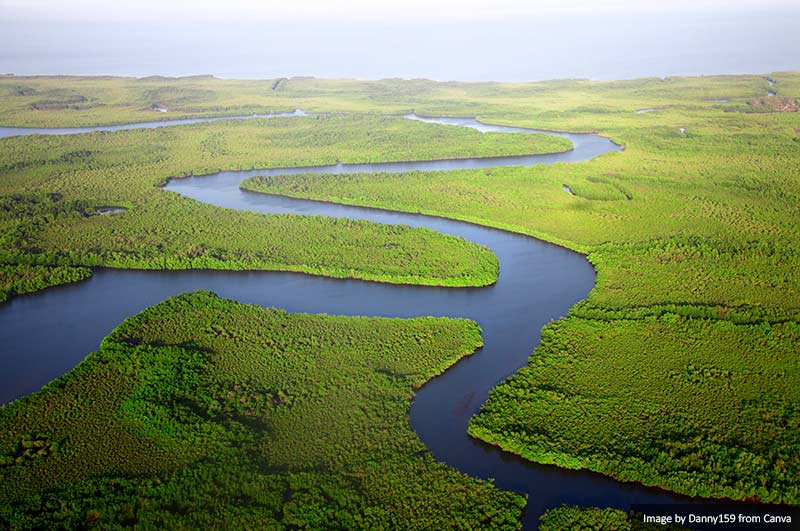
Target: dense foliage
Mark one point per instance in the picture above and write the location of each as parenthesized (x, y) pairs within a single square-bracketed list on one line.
[(714, 414), (680, 369), (202, 413), (20, 279), (693, 231), (571, 518), (163, 231), (21, 217)]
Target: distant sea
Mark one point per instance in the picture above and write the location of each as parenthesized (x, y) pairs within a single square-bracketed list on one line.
[(600, 47)]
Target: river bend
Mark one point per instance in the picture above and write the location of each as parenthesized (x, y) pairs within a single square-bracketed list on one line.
[(538, 283)]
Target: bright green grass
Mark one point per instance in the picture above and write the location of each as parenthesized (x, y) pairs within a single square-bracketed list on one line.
[(203, 413), (161, 230)]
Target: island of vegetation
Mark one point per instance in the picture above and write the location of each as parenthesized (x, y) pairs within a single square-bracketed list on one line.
[(204, 413), (52, 188)]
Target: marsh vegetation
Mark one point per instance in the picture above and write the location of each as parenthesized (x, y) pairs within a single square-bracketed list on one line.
[(694, 237), (205, 413), (53, 187), (678, 371)]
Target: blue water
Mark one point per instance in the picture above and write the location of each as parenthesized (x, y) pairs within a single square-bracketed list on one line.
[(43, 335)]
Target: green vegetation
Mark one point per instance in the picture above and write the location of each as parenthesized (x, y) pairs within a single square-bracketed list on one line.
[(20, 279), (713, 412), (680, 369), (570, 518), (203, 413), (52, 186), (74, 101), (20, 218)]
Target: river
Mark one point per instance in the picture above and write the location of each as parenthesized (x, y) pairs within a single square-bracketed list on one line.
[(45, 334)]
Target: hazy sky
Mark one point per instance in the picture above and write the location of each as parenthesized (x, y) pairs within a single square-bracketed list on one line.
[(359, 9), (438, 39)]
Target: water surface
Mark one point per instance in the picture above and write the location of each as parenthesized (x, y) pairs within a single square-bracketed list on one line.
[(45, 334), (6, 132)]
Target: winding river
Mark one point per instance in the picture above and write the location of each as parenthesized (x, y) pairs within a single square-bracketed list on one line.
[(538, 283)]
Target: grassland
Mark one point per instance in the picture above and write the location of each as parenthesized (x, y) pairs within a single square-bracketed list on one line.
[(51, 187), (203, 413), (680, 369)]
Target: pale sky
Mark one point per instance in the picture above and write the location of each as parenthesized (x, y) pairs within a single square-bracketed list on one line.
[(433, 10), (500, 40)]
